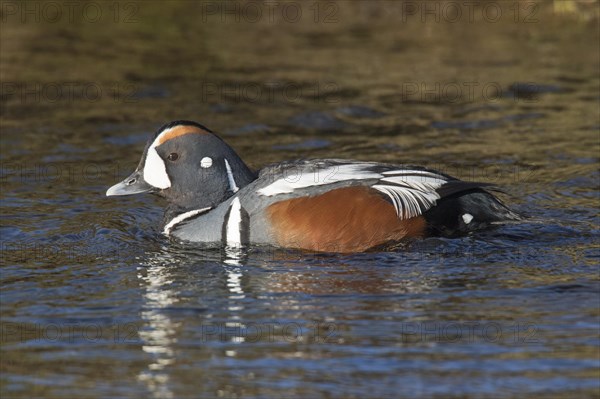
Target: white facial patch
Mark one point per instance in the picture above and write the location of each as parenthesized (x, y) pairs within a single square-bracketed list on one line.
[(155, 171), (206, 162)]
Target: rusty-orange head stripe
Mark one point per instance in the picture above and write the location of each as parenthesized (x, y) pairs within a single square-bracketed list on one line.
[(177, 131)]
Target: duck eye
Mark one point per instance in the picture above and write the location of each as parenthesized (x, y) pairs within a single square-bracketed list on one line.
[(173, 156)]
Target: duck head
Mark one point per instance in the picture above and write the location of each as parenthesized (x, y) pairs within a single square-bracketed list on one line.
[(189, 165)]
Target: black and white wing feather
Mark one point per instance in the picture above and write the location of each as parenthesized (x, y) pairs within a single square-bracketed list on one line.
[(412, 190)]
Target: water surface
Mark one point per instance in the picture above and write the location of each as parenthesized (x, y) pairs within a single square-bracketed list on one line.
[(96, 303)]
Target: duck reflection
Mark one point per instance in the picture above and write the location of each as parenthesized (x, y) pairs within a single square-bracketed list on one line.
[(233, 260), (160, 332), (161, 275), (226, 280), (330, 273)]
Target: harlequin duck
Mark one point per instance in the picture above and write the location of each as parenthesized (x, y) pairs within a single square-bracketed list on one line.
[(323, 205)]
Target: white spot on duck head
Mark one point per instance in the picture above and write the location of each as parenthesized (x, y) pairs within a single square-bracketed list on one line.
[(467, 218), (206, 162)]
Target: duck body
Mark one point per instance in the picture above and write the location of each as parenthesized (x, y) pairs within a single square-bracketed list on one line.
[(322, 205)]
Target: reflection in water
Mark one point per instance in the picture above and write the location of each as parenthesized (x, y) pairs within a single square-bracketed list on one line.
[(325, 274), (159, 333), (416, 93), (232, 264)]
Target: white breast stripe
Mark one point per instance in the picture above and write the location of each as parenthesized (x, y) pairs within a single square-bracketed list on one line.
[(232, 186), (412, 191), (234, 223), (180, 218)]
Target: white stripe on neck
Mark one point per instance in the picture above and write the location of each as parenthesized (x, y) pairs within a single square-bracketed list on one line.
[(232, 186), (180, 218)]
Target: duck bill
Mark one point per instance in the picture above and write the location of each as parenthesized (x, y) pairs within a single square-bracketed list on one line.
[(134, 184)]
